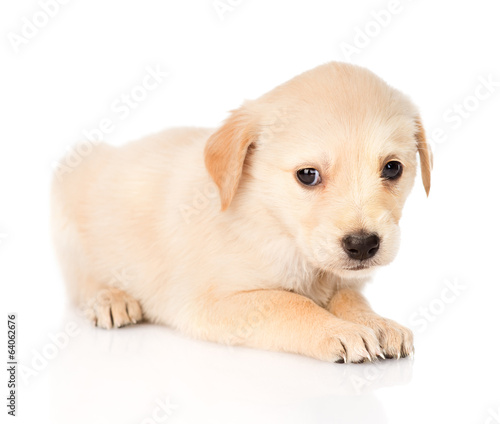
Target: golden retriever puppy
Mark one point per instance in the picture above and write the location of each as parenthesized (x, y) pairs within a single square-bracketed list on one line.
[(260, 233)]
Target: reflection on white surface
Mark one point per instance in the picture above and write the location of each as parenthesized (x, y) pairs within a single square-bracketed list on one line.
[(148, 373)]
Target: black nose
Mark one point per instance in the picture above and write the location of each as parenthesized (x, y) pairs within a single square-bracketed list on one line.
[(361, 246)]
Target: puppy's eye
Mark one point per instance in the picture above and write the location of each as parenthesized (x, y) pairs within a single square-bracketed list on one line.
[(309, 176), (392, 170)]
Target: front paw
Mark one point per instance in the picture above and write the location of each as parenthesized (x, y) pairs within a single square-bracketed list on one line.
[(347, 342), (395, 340)]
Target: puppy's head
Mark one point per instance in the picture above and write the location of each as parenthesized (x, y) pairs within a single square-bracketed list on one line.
[(331, 156)]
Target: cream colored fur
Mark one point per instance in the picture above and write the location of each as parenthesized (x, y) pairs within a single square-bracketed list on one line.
[(209, 231)]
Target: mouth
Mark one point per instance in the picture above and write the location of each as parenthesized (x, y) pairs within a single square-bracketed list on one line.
[(361, 265), (357, 267), (354, 270)]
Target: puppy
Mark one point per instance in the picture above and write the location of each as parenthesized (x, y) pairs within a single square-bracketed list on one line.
[(260, 233)]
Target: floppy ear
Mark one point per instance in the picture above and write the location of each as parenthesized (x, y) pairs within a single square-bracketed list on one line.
[(226, 150), (425, 155)]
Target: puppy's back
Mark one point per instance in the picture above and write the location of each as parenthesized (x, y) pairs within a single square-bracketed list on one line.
[(106, 211)]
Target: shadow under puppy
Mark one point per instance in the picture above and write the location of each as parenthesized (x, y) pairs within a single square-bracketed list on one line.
[(260, 233)]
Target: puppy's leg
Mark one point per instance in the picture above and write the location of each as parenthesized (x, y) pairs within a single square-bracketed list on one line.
[(283, 321), (396, 341), (109, 307)]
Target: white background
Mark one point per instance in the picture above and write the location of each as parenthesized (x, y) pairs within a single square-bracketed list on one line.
[(66, 78)]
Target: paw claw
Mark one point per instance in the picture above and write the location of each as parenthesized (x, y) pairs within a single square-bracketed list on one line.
[(395, 340), (113, 308)]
